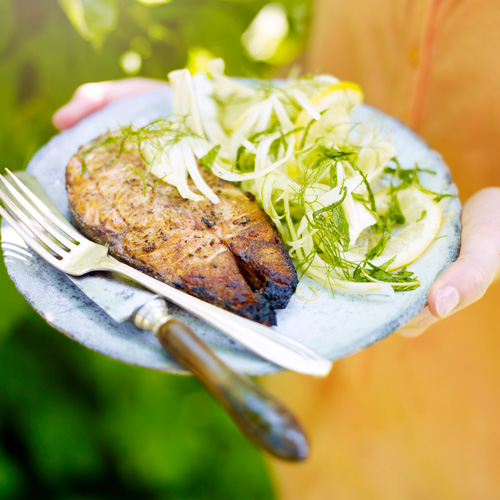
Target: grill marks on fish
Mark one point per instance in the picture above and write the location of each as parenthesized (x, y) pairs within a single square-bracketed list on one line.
[(228, 254), (254, 242)]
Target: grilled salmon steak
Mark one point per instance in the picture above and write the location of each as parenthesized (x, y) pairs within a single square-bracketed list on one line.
[(228, 254)]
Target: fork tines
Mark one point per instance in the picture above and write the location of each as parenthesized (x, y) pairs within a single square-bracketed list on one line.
[(44, 232)]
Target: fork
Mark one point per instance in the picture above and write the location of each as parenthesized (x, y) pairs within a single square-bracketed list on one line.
[(60, 244)]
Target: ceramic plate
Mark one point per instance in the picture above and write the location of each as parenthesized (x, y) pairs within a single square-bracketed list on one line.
[(334, 326)]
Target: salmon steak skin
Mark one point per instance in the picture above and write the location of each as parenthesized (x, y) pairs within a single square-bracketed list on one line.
[(228, 254)]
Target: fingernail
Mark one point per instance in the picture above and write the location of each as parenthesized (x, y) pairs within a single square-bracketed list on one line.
[(411, 332), (447, 299)]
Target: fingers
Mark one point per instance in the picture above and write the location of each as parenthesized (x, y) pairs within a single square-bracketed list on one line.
[(418, 325), (91, 97), (466, 280), (86, 100)]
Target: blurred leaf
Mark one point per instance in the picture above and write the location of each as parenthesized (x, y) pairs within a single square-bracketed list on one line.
[(11, 478), (153, 2), (7, 23), (93, 19)]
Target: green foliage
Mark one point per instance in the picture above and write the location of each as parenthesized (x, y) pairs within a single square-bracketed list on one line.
[(6, 23), (43, 58), (93, 19), (73, 424)]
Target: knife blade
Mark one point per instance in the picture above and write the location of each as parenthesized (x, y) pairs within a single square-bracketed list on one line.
[(258, 414)]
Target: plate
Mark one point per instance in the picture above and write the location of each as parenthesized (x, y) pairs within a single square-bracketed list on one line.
[(333, 325)]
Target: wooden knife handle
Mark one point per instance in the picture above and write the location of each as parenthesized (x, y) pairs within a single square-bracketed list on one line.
[(260, 416)]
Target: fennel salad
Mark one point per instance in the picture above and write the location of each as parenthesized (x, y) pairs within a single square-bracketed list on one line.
[(351, 216)]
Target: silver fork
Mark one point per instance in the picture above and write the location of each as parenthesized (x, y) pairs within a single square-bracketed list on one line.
[(58, 242)]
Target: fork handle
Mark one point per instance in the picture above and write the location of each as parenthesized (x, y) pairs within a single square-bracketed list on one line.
[(260, 416)]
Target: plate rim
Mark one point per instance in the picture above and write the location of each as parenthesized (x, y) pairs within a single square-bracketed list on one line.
[(254, 366)]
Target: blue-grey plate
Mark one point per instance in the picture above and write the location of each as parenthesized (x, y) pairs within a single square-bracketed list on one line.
[(334, 326)]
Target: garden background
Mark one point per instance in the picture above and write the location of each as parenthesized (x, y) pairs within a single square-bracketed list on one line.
[(75, 425)]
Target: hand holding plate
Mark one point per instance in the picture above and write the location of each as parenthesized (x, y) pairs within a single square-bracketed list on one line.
[(476, 268)]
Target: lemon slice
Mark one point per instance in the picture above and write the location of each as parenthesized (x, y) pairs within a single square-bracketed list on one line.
[(409, 240), (334, 102)]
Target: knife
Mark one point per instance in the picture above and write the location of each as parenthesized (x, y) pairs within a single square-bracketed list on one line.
[(260, 416)]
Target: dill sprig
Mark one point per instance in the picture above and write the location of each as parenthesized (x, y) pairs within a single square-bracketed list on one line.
[(330, 229), (401, 280), (385, 223), (208, 160), (409, 177), (157, 135)]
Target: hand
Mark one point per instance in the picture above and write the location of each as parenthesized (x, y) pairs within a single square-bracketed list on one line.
[(477, 266), (91, 97)]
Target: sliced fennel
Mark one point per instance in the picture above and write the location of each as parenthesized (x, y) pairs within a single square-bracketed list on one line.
[(314, 170), (174, 155), (321, 197)]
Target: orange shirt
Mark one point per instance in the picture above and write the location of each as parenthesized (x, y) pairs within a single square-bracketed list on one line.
[(412, 418)]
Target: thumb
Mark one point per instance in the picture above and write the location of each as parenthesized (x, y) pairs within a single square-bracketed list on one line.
[(467, 279)]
